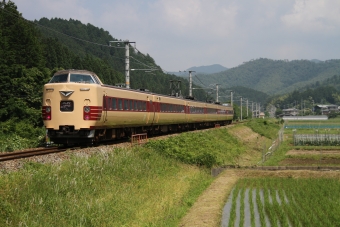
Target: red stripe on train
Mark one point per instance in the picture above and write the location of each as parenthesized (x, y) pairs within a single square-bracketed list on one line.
[(93, 113)]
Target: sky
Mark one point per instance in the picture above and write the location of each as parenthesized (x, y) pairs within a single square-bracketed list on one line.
[(180, 34)]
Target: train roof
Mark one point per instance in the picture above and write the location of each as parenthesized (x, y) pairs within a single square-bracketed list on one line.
[(144, 91)]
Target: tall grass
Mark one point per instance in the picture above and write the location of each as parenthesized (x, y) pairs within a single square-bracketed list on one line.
[(265, 127), (209, 148), (121, 188)]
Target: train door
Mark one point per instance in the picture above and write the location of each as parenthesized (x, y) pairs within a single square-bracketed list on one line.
[(148, 110), (187, 111), (151, 109), (105, 107), (157, 109)]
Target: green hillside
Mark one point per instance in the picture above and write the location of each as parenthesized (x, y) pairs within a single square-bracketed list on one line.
[(276, 76)]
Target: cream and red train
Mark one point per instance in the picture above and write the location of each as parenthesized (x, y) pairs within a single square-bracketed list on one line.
[(79, 108)]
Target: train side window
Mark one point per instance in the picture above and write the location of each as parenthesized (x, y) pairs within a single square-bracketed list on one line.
[(135, 102), (114, 103), (144, 106), (109, 103), (139, 105), (120, 104), (126, 104), (131, 104)]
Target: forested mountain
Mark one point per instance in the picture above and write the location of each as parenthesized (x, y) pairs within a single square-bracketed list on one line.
[(92, 43), (208, 69), (276, 76)]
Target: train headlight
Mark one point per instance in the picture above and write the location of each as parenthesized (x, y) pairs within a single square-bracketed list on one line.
[(48, 109), (87, 109)]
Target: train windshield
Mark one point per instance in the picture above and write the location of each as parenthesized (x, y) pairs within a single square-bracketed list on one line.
[(59, 78), (81, 78)]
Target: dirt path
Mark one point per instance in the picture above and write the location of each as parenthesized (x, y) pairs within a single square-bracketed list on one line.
[(313, 152)]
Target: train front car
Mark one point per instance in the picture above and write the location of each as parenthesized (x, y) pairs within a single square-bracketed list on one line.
[(71, 106)]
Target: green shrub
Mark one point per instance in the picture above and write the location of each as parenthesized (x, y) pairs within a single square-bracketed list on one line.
[(19, 135), (209, 148), (266, 128)]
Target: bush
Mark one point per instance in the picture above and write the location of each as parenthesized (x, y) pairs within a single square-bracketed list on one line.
[(19, 135), (267, 128), (209, 148)]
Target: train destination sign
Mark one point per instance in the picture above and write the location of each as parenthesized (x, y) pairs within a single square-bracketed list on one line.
[(66, 106)]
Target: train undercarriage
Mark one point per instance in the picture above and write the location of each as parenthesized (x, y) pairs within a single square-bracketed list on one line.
[(66, 135)]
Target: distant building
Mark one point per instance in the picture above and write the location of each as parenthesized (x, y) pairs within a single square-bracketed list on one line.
[(290, 112), (261, 115), (308, 118), (326, 109)]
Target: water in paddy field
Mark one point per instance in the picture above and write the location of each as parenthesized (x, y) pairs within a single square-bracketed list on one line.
[(248, 209)]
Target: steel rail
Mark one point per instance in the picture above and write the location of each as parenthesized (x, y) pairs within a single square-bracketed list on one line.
[(29, 153)]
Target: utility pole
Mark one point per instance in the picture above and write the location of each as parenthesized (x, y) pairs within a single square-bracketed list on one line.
[(231, 98), (190, 83), (217, 92), (127, 60), (252, 109), (241, 108)]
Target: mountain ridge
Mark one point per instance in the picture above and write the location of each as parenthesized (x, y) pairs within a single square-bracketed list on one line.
[(275, 76)]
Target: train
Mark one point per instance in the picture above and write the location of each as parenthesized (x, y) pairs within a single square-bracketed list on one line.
[(78, 108)]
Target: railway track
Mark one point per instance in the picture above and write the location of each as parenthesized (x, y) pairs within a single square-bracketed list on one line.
[(30, 153), (49, 150)]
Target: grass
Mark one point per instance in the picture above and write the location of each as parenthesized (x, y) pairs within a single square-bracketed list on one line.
[(120, 188), (215, 147), (152, 185)]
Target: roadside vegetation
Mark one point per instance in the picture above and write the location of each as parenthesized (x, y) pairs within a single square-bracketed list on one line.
[(124, 187), (18, 135)]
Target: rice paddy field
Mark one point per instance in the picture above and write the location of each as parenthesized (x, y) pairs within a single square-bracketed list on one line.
[(283, 202), (290, 198)]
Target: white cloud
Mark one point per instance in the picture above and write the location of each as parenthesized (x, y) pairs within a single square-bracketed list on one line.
[(314, 16), (66, 9), (203, 17)]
